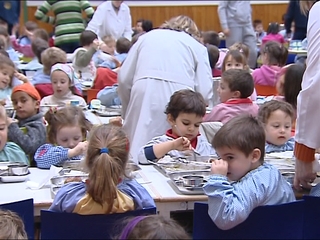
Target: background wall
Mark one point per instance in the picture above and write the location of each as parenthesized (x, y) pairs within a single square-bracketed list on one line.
[(204, 15)]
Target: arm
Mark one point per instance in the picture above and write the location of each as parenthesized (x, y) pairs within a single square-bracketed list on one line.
[(42, 11), (26, 50), (83, 58), (222, 12), (128, 28), (289, 16), (96, 22), (34, 137), (86, 7)]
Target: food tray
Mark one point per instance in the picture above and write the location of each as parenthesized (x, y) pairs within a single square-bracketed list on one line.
[(177, 183)]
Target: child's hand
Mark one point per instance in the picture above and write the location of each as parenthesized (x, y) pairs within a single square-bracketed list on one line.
[(117, 121), (219, 167), (15, 29), (21, 77), (96, 44), (81, 148), (11, 120), (181, 144), (118, 64)]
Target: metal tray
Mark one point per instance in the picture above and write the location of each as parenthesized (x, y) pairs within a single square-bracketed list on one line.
[(176, 182)]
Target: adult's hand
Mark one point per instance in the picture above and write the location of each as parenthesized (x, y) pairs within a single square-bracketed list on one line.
[(304, 175), (226, 32)]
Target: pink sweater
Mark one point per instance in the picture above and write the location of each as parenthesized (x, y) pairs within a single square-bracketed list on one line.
[(223, 112), (26, 50), (273, 37), (266, 75)]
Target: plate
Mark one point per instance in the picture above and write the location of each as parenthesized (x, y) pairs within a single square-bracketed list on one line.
[(14, 179)]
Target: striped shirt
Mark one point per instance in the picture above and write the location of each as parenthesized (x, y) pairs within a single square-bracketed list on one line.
[(68, 19)]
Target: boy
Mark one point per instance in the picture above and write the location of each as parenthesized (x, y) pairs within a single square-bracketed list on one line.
[(258, 28), (236, 86), (28, 130), (240, 180), (11, 226), (185, 111), (277, 117), (213, 54)]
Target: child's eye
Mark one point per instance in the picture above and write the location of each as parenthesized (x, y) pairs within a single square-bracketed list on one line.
[(186, 124), (64, 140), (1, 129), (275, 126), (76, 138), (229, 158), (197, 125), (288, 126)]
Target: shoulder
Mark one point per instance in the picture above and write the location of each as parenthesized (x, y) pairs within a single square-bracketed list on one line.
[(125, 7), (12, 146)]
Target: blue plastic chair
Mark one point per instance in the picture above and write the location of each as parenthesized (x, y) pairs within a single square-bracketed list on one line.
[(284, 221), (291, 58), (57, 225), (311, 217), (25, 210)]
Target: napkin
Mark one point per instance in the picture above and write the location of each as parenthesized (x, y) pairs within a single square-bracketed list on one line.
[(38, 185)]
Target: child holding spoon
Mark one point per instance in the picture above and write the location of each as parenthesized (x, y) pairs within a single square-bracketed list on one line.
[(185, 111)]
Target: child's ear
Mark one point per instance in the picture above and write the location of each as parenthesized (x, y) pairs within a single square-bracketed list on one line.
[(37, 104), (170, 119), (255, 155), (236, 94)]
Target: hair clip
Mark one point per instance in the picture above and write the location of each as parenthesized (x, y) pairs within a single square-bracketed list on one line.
[(104, 150), (240, 50), (53, 110)]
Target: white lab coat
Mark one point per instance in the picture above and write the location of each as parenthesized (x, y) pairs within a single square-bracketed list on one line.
[(106, 21), (161, 62)]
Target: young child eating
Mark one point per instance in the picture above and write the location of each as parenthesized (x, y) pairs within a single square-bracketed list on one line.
[(241, 181), (277, 117), (185, 111)]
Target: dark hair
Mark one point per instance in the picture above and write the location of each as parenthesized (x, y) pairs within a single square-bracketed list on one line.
[(276, 52), (256, 22), (237, 56), (239, 80), (41, 33), (273, 28), (136, 37), (147, 25), (123, 45), (211, 37), (106, 168), (186, 101), (292, 83), (87, 37), (38, 45), (31, 26), (244, 133), (266, 109), (213, 53), (5, 63), (67, 116), (154, 227), (140, 20)]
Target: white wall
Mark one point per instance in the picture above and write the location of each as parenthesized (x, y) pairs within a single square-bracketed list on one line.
[(166, 3)]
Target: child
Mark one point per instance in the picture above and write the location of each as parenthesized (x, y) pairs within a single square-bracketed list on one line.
[(185, 111), (277, 117), (9, 151), (240, 180), (153, 227), (212, 37), (4, 35), (213, 54), (62, 79), (258, 27), (107, 190), (7, 70), (28, 29), (66, 137), (82, 61), (273, 34), (11, 226), (235, 88), (234, 59), (274, 56), (28, 131), (106, 51)]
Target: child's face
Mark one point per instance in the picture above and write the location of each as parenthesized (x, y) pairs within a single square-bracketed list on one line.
[(24, 105), (187, 123), (278, 128), (139, 27), (6, 75), (231, 63), (60, 83), (225, 93), (3, 132), (69, 136), (259, 28), (238, 163), (109, 48)]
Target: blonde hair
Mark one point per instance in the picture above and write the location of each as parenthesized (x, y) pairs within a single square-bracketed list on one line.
[(106, 161), (184, 24), (51, 56), (241, 47), (11, 226), (306, 5), (108, 39)]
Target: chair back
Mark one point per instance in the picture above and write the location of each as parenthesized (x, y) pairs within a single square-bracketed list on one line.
[(311, 217), (44, 89), (283, 221), (215, 98), (57, 225), (263, 90), (25, 211)]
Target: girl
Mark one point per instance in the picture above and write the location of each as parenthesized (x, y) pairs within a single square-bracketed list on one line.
[(62, 78), (273, 34), (274, 56), (185, 112), (9, 151), (107, 190), (7, 71), (67, 129), (236, 59), (153, 227), (4, 35)]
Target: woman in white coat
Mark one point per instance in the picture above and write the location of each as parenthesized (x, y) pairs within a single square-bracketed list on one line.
[(111, 18), (161, 62)]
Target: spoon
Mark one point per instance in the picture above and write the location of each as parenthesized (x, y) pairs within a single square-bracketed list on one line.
[(195, 152)]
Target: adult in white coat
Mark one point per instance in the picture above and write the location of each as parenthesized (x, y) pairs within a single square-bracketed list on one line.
[(161, 62), (111, 18)]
